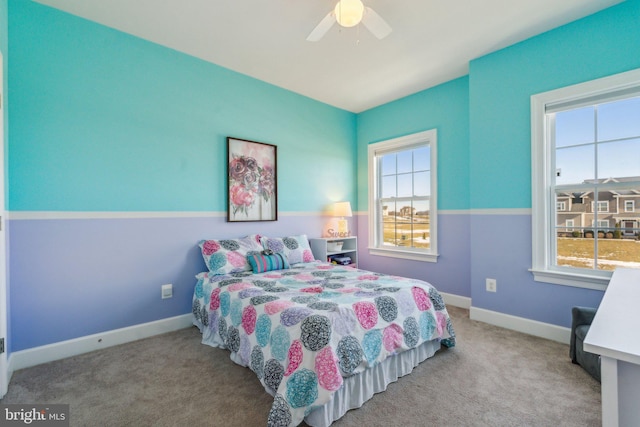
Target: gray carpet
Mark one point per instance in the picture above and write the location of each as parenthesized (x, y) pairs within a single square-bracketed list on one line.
[(493, 377)]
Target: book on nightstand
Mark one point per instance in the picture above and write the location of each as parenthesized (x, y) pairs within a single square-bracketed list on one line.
[(342, 260)]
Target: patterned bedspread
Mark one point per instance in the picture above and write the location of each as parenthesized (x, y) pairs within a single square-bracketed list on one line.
[(302, 330)]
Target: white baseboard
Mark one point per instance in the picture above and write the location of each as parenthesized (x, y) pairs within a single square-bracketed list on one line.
[(48, 353), (60, 350), (456, 300), (520, 324)]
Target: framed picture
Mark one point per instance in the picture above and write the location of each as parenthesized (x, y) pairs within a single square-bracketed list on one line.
[(253, 186)]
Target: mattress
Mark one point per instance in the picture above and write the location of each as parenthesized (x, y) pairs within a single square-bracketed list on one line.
[(321, 338)]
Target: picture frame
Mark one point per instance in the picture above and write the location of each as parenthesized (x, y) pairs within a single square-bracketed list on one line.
[(252, 184)]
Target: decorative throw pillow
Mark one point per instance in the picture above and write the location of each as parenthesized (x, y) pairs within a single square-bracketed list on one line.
[(295, 248), (261, 262), (229, 255)]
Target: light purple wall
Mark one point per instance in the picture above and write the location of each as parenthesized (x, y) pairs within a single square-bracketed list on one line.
[(76, 277), (452, 271), (501, 250)]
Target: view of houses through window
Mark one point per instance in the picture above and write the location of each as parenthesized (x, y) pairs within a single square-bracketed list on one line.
[(405, 198), (597, 185)]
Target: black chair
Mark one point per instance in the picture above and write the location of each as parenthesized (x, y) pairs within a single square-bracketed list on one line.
[(581, 318)]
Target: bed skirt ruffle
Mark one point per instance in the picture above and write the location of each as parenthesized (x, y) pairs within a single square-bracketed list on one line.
[(359, 388)]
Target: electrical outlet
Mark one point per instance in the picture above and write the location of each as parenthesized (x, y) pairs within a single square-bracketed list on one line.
[(492, 286), (166, 291)]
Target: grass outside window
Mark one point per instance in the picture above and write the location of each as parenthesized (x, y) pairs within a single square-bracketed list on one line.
[(612, 253)]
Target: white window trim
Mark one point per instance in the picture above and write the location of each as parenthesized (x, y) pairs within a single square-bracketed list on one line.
[(430, 137), (595, 207), (630, 203), (569, 224), (542, 268)]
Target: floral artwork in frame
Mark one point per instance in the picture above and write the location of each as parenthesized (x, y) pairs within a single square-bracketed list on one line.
[(253, 192)]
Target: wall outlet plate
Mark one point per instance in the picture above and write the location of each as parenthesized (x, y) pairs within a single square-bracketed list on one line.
[(492, 285), (166, 291)]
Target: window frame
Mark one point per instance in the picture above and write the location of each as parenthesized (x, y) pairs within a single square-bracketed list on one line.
[(374, 150), (630, 203), (596, 207), (569, 225), (542, 161)]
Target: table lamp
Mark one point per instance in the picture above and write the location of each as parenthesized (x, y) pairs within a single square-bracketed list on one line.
[(342, 210)]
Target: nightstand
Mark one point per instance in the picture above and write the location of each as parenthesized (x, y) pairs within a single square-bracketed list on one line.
[(321, 248)]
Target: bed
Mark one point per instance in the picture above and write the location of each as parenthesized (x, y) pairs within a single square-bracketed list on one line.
[(321, 338)]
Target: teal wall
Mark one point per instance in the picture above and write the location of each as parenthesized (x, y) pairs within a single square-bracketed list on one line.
[(501, 85), (4, 48), (484, 160), (101, 121), (445, 108), (104, 121)]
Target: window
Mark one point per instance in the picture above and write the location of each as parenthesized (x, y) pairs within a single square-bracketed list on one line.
[(603, 206), (585, 143), (629, 206), (570, 224), (561, 206), (403, 197)]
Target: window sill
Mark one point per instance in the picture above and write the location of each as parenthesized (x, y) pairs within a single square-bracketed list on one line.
[(571, 279), (404, 254)]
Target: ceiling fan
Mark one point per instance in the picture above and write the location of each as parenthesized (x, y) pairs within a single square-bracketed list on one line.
[(349, 13)]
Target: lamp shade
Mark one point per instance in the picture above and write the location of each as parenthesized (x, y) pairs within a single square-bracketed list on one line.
[(349, 12), (342, 209)]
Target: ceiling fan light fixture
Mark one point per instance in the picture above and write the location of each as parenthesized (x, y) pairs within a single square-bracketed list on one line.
[(349, 12)]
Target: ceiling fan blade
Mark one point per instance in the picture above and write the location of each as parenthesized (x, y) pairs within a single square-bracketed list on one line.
[(322, 28), (375, 23)]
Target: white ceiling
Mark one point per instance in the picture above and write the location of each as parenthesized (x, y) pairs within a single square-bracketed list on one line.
[(432, 40)]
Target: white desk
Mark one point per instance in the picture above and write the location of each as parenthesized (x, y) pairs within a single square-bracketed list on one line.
[(615, 336)]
